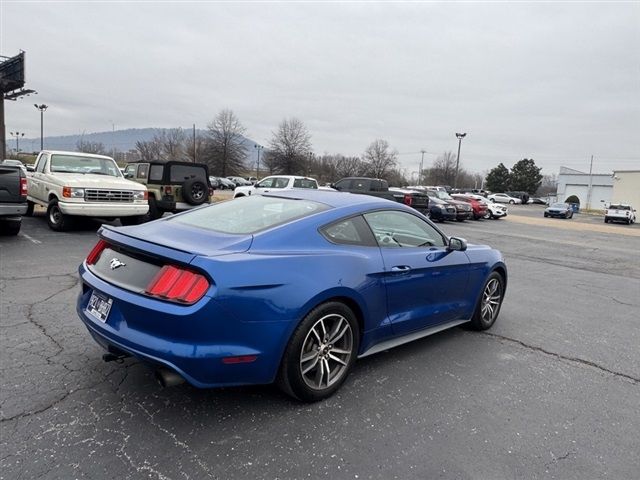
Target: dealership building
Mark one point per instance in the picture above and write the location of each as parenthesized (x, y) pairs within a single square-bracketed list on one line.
[(597, 190)]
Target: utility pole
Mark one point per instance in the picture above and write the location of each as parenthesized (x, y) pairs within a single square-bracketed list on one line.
[(460, 137), (421, 167), (42, 108), (113, 140), (590, 184), (195, 153)]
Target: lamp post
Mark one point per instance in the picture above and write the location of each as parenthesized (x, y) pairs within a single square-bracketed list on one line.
[(421, 167), (259, 148), (460, 137), (42, 108), (17, 136)]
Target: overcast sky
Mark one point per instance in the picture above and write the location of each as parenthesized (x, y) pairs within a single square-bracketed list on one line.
[(556, 82)]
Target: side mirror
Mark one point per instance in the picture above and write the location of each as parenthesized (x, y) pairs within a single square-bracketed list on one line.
[(128, 175), (457, 244)]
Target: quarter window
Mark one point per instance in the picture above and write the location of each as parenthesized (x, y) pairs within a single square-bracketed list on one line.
[(350, 231)]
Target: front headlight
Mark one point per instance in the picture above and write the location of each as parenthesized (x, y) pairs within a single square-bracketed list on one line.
[(72, 192), (140, 195)]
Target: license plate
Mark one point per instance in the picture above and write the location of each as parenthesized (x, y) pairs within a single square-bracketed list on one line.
[(99, 306)]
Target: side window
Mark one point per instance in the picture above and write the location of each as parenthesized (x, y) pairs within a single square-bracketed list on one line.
[(155, 173), (143, 170), (42, 161), (361, 185), (304, 183), (180, 173), (130, 170), (280, 182), (343, 185), (266, 183), (397, 229), (351, 231)]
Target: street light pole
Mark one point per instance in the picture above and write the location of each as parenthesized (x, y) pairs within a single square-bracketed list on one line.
[(421, 167), (42, 108), (17, 135), (259, 148), (460, 137)]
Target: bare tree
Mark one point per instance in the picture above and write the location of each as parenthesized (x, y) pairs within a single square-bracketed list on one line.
[(86, 146), (443, 171), (226, 151), (195, 151), (171, 143), (289, 148), (149, 150), (379, 158)]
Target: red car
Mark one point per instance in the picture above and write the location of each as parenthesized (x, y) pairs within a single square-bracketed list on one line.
[(479, 208)]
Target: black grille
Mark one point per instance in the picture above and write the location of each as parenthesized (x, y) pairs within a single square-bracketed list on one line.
[(102, 195)]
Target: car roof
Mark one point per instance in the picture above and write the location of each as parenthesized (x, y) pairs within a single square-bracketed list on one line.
[(333, 198), (75, 154)]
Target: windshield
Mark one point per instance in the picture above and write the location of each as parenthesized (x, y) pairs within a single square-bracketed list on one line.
[(249, 214), (442, 195), (84, 165), (559, 205)]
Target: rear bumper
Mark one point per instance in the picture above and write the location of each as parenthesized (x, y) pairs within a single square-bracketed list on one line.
[(103, 209), (12, 209), (190, 340)]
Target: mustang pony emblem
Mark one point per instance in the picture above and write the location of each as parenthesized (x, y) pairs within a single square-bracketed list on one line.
[(115, 263)]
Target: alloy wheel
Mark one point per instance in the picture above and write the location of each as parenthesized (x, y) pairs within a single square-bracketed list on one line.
[(491, 297), (326, 351)]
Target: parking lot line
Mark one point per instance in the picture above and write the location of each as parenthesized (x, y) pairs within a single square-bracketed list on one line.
[(31, 239), (572, 225)]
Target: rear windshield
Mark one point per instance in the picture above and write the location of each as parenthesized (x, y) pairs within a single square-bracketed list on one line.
[(78, 164), (619, 207), (180, 173), (249, 214)]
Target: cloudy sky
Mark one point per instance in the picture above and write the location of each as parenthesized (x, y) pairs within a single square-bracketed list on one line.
[(557, 82)]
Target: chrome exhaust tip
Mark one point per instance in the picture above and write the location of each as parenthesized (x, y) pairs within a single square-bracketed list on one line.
[(167, 378)]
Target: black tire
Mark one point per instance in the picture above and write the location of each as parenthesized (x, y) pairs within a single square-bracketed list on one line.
[(546, 214), (511, 202), (484, 317), (606, 220), (195, 191), (154, 211), (57, 221), (30, 207), (493, 200), (339, 321), (487, 215), (10, 227)]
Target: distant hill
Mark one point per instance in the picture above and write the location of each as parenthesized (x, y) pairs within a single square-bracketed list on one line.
[(121, 140)]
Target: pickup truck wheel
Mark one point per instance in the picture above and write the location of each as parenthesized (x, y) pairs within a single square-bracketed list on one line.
[(57, 220), (195, 191), (30, 206)]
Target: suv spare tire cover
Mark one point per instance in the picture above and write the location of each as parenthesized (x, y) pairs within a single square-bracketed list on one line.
[(195, 191)]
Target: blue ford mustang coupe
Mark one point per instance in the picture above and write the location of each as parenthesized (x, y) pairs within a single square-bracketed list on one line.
[(289, 287)]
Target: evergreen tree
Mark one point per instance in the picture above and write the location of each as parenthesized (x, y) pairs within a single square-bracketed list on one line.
[(525, 176), (498, 179)]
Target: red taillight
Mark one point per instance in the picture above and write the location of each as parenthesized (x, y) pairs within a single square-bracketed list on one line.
[(94, 254), (178, 284), (408, 199), (240, 359), (23, 186)]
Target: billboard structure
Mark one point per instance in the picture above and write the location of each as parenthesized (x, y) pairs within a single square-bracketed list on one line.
[(11, 88)]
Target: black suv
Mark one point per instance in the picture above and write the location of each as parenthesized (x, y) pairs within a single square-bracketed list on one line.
[(173, 186)]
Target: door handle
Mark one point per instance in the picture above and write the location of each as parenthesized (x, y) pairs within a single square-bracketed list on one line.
[(401, 269)]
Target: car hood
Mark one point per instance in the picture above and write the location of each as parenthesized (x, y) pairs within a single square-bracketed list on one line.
[(98, 181), (185, 238)]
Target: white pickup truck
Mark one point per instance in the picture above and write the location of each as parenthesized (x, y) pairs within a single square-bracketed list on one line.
[(620, 212), (275, 183), (72, 184)]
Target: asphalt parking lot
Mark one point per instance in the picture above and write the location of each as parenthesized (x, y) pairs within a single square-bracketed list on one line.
[(551, 391)]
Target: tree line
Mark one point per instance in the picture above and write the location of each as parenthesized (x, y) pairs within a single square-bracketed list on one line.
[(224, 148)]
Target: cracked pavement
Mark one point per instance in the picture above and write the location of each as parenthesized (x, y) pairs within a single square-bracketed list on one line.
[(552, 391)]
